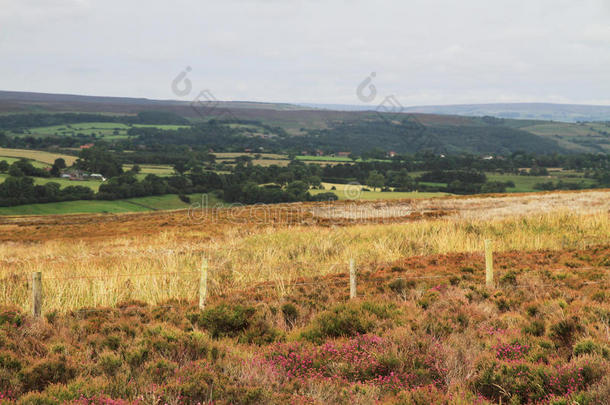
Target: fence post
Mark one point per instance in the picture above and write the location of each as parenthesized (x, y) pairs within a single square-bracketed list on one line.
[(36, 294), (352, 279), (203, 283), (489, 264)]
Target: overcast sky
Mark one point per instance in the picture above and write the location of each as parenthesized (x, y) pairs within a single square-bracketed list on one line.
[(421, 51)]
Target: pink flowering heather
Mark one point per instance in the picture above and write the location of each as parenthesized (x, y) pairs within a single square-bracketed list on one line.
[(354, 361), (511, 352)]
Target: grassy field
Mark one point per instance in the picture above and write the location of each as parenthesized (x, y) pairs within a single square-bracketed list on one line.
[(140, 204), (159, 170), (573, 135), (341, 159), (121, 322), (526, 183), (107, 130), (354, 192), (92, 184), (41, 156), (35, 163)]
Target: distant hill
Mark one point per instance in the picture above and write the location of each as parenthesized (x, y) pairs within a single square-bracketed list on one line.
[(482, 128), (530, 111)]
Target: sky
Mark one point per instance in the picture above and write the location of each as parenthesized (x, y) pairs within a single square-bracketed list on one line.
[(423, 52)]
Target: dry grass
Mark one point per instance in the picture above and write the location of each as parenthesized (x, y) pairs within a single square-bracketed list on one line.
[(88, 272), (41, 156)]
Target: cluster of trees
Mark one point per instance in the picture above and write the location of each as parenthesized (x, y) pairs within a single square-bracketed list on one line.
[(22, 167), (22, 190)]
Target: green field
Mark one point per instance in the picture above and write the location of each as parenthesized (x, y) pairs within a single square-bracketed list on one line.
[(335, 159), (92, 184), (107, 130), (578, 137), (140, 204), (159, 170), (160, 126), (525, 184), (11, 160)]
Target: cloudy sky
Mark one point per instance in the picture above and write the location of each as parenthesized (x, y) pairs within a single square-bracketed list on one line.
[(421, 51)]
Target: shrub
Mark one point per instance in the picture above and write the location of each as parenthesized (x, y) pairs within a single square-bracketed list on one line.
[(341, 321), (35, 398), (109, 364), (161, 370), (510, 278), (47, 371), (565, 330), (259, 332), (588, 346), (225, 320), (532, 310), (290, 313), (400, 285), (428, 299), (136, 357), (11, 316), (536, 328)]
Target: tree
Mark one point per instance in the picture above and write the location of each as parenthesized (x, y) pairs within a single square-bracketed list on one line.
[(60, 163), (297, 189), (375, 179), (180, 167), (4, 166), (15, 171)]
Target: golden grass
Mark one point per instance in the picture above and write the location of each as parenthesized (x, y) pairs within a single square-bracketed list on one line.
[(41, 156), (92, 272)]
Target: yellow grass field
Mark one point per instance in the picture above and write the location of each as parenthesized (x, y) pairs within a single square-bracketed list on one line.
[(41, 156)]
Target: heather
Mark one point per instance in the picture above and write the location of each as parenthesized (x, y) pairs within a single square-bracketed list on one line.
[(539, 337)]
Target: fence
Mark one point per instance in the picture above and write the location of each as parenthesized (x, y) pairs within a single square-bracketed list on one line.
[(37, 294)]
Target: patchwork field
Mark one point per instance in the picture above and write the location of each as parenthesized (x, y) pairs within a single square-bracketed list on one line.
[(121, 323)]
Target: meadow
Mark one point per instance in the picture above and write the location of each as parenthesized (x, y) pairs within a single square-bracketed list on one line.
[(36, 155), (106, 130), (121, 323)]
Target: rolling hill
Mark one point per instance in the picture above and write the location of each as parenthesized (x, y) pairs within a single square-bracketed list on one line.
[(435, 128)]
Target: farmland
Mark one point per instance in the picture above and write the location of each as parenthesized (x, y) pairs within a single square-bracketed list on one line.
[(138, 204), (121, 321), (36, 155)]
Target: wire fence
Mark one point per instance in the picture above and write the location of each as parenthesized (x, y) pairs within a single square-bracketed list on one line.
[(337, 279)]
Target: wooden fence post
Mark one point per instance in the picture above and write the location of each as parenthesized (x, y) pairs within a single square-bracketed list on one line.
[(203, 283), (489, 264), (36, 294), (352, 279)]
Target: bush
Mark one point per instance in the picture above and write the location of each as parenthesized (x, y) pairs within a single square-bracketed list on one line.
[(290, 313), (588, 346), (324, 197), (343, 320), (109, 364), (225, 320), (400, 285), (536, 328), (510, 278), (564, 331), (45, 372)]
